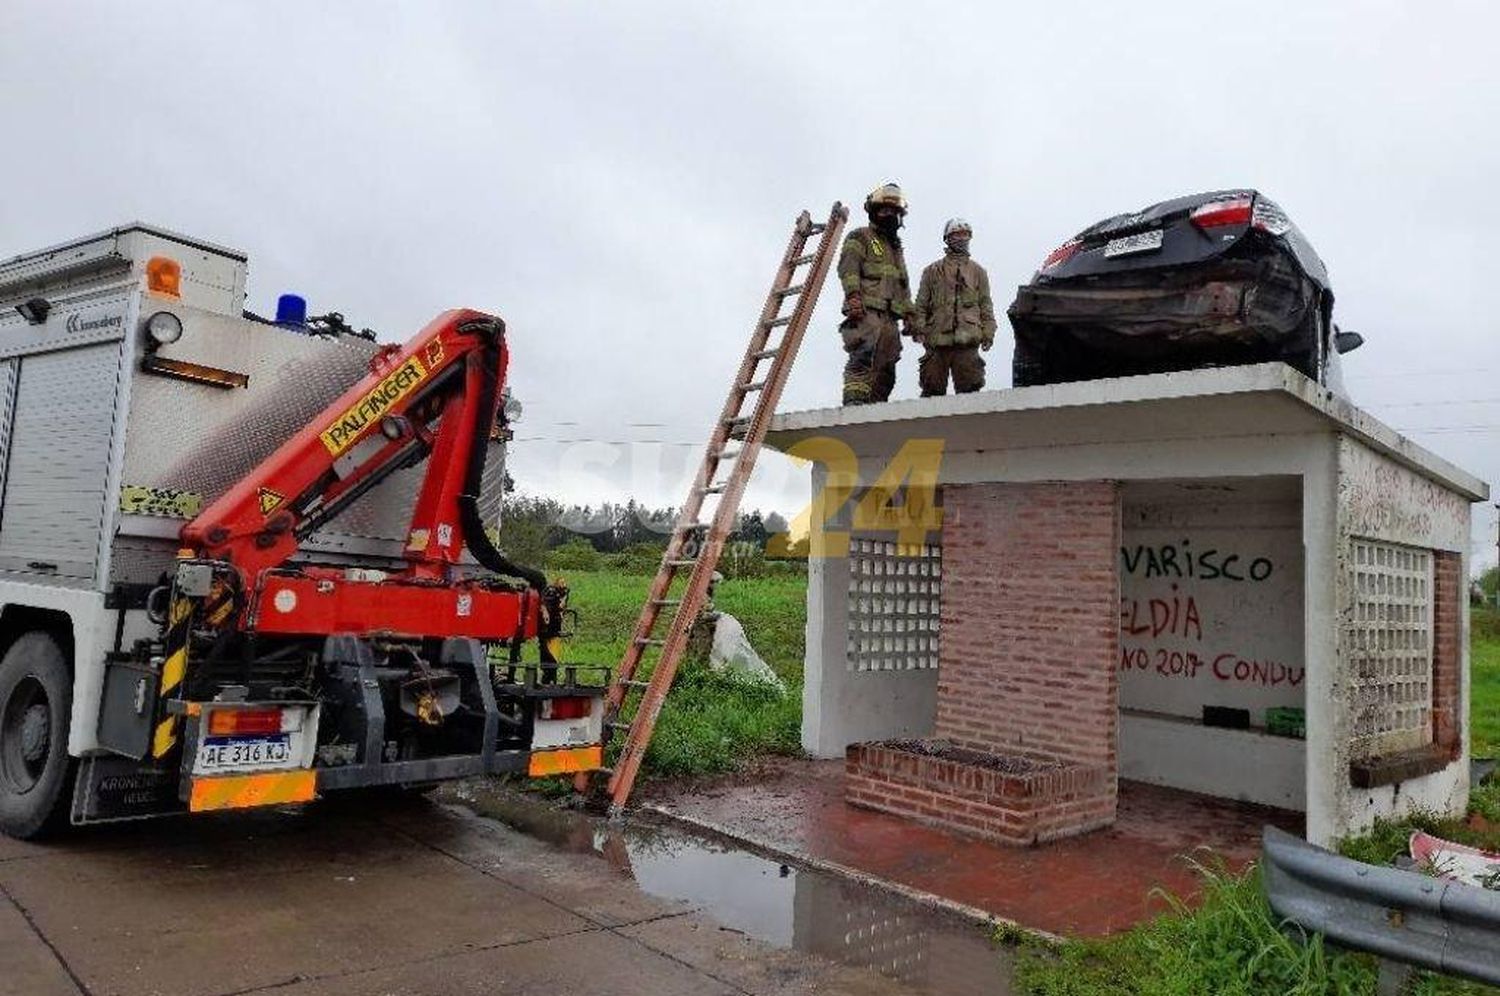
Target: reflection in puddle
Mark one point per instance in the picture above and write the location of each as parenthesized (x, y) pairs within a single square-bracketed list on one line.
[(801, 909)]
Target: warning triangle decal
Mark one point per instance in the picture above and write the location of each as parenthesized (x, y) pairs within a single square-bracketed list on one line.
[(270, 501)]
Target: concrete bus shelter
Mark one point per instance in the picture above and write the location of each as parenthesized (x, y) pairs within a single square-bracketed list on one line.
[(1151, 578)]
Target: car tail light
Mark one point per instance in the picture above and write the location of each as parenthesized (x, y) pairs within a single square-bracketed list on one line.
[(1216, 214), (1062, 254), (244, 722), (567, 708)]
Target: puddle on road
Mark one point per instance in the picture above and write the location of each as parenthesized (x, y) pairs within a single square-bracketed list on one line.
[(929, 951)]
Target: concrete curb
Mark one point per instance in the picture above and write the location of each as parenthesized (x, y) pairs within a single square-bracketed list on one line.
[(779, 852)]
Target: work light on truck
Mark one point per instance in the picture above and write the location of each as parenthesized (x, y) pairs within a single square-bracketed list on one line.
[(164, 328), (35, 310)]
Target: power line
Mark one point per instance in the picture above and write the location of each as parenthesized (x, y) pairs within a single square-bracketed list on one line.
[(1432, 404), (1422, 373), (1450, 428)]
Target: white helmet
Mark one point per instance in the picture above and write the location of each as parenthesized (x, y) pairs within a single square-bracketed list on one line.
[(955, 225)]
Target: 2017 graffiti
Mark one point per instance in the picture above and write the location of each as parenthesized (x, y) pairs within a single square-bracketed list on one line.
[(1178, 560), (1224, 667)]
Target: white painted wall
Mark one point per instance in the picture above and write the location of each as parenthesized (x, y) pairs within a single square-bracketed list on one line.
[(1211, 585), (1378, 498), (841, 706), (1236, 764), (1211, 575)]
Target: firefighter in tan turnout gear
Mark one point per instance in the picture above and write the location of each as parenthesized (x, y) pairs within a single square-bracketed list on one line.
[(955, 317), (877, 294)]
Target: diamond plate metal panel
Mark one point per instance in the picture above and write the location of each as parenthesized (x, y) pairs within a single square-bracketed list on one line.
[(202, 439)]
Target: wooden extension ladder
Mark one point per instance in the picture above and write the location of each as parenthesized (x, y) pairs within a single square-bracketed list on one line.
[(632, 705)]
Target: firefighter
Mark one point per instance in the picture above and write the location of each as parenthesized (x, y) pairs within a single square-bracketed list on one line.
[(877, 294), (955, 317)]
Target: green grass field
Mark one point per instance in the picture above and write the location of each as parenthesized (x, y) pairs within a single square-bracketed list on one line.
[(1484, 704), (711, 721)]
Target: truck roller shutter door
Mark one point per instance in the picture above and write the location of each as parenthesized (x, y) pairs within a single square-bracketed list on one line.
[(58, 461)]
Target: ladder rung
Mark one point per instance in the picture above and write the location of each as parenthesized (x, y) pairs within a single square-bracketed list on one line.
[(777, 322), (800, 260), (615, 725), (682, 563), (754, 385), (764, 353), (635, 683), (648, 641), (789, 291), (714, 489), (666, 601), (816, 228)]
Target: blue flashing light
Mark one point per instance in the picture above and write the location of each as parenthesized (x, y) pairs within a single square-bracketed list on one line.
[(291, 309)]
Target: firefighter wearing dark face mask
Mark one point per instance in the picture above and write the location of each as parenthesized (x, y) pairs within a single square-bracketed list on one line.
[(955, 315), (877, 294)]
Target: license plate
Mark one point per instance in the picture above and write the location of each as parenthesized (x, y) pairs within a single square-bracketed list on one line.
[(1127, 244), (243, 753)]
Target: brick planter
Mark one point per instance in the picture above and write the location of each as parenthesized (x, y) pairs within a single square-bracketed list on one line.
[(1010, 798)]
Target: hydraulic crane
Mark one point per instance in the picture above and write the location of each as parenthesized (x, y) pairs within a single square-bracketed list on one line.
[(435, 398), (329, 676)]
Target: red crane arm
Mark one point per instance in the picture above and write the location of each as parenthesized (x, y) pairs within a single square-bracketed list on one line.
[(435, 397)]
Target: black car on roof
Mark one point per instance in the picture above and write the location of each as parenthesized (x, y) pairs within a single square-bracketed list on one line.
[(1213, 279)]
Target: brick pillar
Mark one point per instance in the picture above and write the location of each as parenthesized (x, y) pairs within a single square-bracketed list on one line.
[(1447, 653), (1031, 620)]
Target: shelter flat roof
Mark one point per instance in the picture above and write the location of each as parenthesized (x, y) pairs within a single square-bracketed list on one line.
[(1292, 403)]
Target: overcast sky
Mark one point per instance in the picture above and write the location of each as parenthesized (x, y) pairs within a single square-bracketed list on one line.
[(618, 180)]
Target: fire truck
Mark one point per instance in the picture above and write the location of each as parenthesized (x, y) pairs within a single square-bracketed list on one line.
[(252, 561)]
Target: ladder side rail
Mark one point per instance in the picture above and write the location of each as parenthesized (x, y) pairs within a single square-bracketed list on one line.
[(761, 334), (781, 366), (654, 696), (734, 402), (688, 515)]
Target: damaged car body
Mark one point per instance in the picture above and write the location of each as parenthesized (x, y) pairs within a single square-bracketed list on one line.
[(1211, 279)]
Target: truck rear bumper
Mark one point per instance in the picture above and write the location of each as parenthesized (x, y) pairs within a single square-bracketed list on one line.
[(271, 788)]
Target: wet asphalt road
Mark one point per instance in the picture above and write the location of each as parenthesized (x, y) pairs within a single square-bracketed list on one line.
[(369, 898)]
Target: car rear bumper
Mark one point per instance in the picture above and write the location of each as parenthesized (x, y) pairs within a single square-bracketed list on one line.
[(1135, 320), (1239, 312)]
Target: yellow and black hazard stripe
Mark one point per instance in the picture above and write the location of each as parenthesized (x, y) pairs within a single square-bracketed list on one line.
[(271, 788), (173, 670), (219, 608)]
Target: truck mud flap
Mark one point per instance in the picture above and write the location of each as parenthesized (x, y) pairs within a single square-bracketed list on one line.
[(111, 789)]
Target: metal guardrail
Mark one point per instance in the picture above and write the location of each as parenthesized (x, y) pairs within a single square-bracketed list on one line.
[(1405, 916)]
